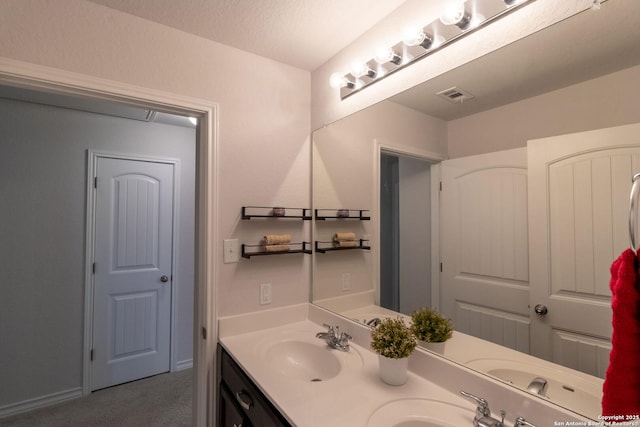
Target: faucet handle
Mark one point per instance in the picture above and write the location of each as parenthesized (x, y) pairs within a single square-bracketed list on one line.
[(483, 406), (522, 422), (345, 337)]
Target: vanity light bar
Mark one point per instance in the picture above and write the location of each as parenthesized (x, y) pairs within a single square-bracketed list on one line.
[(469, 16)]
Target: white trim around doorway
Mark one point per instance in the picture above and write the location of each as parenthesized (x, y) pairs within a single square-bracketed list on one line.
[(435, 159), (37, 77)]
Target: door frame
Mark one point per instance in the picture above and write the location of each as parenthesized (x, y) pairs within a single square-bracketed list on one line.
[(89, 284), (435, 159), (37, 77)]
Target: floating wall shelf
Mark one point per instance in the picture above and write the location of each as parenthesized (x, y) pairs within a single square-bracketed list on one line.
[(249, 212), (323, 247), (358, 214), (249, 251)]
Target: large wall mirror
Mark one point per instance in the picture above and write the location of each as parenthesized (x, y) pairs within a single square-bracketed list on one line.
[(520, 222)]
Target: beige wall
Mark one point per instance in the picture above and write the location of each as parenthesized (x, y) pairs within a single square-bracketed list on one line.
[(343, 177), (607, 101), (264, 117)]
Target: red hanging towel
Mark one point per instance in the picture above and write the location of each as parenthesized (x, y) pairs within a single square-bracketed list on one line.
[(621, 389)]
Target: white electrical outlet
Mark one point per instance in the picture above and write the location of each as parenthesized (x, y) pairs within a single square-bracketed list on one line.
[(265, 293), (230, 249), (346, 281)]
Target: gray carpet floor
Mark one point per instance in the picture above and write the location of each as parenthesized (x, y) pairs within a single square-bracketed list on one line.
[(161, 401)]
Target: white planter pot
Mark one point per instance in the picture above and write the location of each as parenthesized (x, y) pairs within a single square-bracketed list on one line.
[(436, 347), (393, 371)]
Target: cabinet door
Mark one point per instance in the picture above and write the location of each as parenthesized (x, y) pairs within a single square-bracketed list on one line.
[(245, 394), (229, 414)]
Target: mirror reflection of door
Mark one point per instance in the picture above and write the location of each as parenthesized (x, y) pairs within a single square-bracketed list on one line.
[(484, 247), (405, 233)]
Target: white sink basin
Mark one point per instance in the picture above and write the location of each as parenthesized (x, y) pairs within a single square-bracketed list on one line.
[(305, 358), (417, 412), (564, 386)]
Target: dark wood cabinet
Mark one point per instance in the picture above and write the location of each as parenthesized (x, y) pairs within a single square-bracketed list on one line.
[(229, 414), (240, 402)]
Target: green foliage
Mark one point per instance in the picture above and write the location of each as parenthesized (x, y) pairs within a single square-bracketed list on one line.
[(429, 326), (393, 338)]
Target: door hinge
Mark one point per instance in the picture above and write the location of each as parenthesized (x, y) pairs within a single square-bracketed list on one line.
[(204, 333), (95, 182), (440, 185), (93, 268), (91, 355), (440, 267)]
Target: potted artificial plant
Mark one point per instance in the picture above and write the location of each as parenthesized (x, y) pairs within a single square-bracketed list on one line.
[(431, 328), (394, 341)]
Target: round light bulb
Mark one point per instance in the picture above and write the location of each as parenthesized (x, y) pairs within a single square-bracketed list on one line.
[(359, 69), (337, 80), (387, 55), (453, 13), (412, 36), (383, 56)]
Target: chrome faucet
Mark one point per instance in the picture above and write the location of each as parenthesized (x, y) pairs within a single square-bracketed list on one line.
[(521, 422), (538, 386), (483, 416), (334, 338)]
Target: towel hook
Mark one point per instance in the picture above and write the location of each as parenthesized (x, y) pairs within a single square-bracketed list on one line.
[(632, 211)]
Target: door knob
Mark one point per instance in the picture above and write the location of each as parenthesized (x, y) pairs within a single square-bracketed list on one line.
[(164, 278), (540, 309)]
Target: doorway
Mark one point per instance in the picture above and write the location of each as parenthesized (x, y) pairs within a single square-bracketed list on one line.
[(87, 88), (405, 233)]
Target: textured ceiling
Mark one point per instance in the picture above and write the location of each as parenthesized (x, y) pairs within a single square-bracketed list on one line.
[(301, 33)]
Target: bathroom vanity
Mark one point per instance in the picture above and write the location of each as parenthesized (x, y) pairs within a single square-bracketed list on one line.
[(240, 402), (273, 371)]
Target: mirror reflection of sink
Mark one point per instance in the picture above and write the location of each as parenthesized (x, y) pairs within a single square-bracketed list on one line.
[(564, 387), (310, 359), (417, 412)]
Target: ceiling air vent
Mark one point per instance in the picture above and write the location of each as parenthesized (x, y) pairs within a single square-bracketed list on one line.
[(455, 95)]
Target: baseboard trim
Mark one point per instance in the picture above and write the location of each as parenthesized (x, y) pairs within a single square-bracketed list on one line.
[(40, 402), (184, 364)]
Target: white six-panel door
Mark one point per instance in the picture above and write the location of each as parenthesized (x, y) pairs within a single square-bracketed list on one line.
[(579, 207), (133, 260), (484, 246)]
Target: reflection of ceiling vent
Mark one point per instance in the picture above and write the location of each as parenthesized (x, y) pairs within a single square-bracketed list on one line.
[(455, 94)]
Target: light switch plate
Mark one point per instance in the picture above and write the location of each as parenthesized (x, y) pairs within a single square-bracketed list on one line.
[(231, 254)]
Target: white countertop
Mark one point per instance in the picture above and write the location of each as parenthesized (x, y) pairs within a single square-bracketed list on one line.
[(346, 400), (350, 398)]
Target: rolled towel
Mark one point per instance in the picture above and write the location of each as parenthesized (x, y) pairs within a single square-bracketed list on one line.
[(277, 239), (347, 243), (277, 248), (339, 237)]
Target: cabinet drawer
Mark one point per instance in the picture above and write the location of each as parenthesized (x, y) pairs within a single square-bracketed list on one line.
[(256, 407), (230, 415)]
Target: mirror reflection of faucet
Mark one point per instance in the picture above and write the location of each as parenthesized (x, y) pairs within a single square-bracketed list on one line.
[(374, 322), (538, 386)]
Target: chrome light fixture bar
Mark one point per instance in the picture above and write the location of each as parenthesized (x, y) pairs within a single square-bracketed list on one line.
[(461, 17)]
